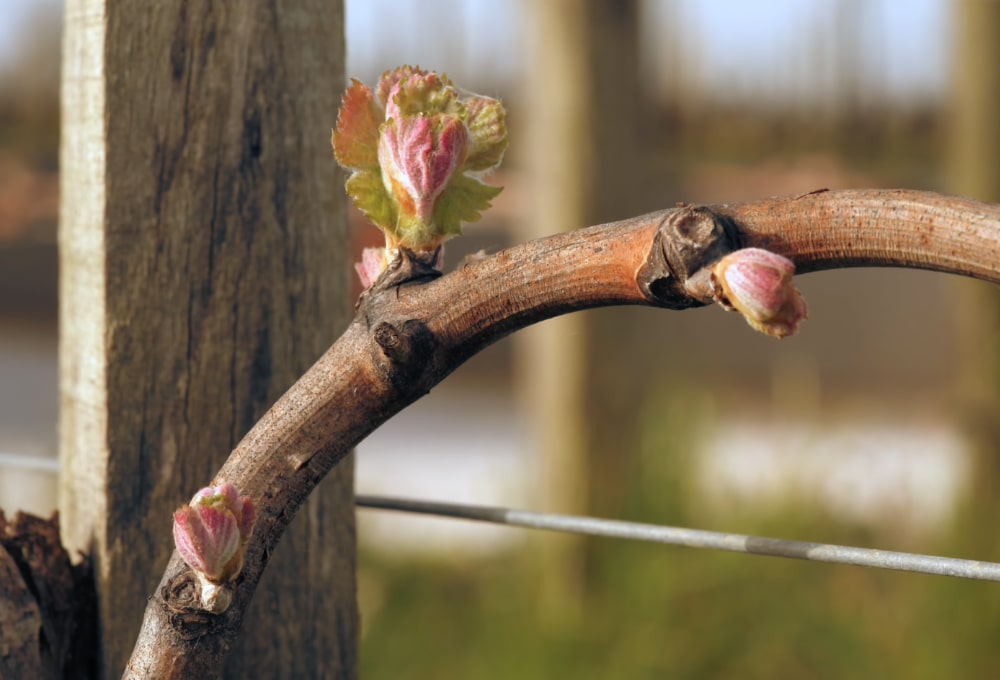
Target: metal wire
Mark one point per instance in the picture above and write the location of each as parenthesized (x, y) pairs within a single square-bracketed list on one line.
[(691, 538), (19, 461), (694, 538)]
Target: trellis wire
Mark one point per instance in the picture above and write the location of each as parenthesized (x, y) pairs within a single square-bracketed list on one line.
[(694, 538), (637, 531), (20, 461)]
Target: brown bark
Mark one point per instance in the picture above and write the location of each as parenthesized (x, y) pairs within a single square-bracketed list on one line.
[(414, 327), (47, 605)]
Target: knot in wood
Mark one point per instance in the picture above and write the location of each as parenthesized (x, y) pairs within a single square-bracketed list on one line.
[(394, 343), (688, 240), (407, 352), (186, 615), (410, 267)]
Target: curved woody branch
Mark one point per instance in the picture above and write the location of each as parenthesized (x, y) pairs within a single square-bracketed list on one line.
[(414, 327)]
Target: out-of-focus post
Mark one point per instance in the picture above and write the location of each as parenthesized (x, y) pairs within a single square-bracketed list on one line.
[(584, 119), (974, 170)]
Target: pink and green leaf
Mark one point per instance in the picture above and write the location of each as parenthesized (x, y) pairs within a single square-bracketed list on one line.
[(355, 141), (487, 123), (463, 200), (422, 94), (390, 79), (371, 198)]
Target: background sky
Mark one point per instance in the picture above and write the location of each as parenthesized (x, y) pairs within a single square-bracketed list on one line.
[(16, 17), (773, 48), (734, 45)]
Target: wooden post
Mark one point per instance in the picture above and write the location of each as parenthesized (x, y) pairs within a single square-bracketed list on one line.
[(585, 164), (203, 260), (974, 170), (975, 97)]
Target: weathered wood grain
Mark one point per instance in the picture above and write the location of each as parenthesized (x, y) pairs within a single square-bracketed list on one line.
[(202, 236)]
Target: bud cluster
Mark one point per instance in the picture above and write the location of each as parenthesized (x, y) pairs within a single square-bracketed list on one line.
[(417, 150)]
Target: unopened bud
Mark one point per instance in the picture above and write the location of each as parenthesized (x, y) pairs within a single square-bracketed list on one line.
[(758, 284), (374, 261), (211, 534)]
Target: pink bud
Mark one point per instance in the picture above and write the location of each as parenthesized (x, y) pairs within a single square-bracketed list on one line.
[(418, 155), (373, 262), (211, 532), (758, 284)]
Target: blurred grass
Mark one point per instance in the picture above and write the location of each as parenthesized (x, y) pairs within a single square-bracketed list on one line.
[(654, 611)]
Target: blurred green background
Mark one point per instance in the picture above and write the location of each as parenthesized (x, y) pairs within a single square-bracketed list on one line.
[(875, 426)]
